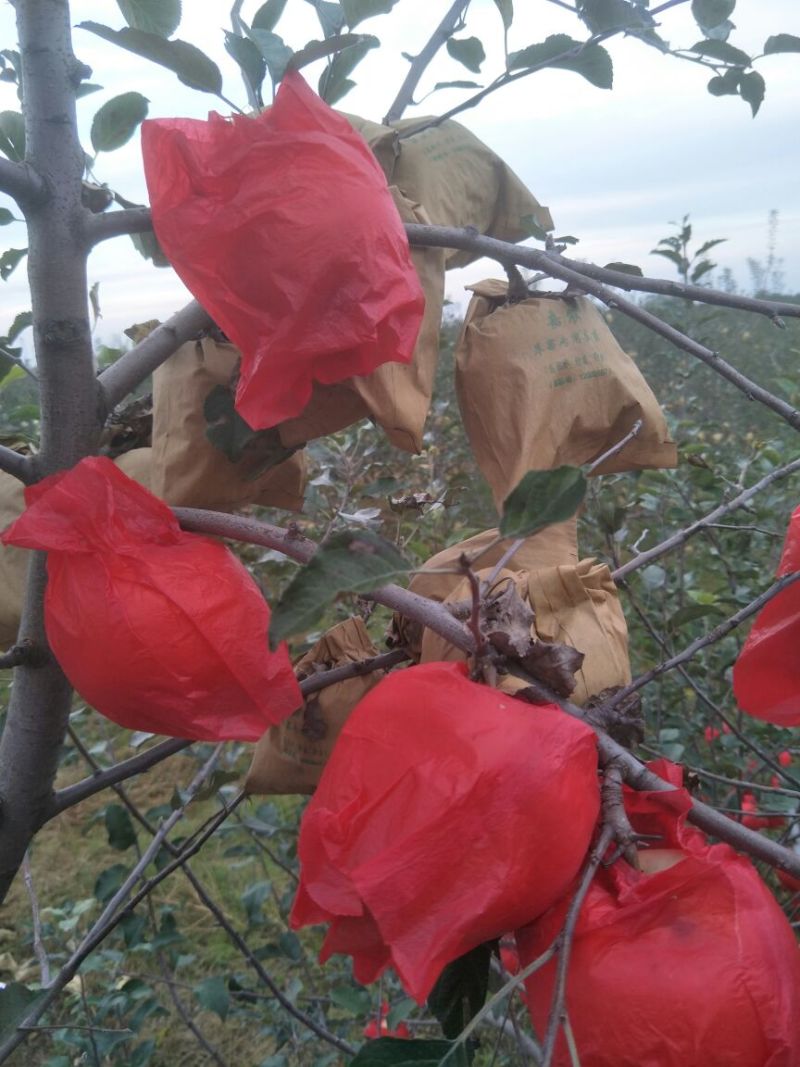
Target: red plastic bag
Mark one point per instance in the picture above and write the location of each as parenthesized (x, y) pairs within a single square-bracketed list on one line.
[(766, 676), (447, 814), (158, 629), (689, 963), (283, 227)]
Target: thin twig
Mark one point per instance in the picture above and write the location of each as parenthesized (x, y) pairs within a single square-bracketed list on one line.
[(420, 63), (614, 814), (566, 938), (682, 536), (702, 642), (115, 910), (322, 679), (38, 943), (615, 450)]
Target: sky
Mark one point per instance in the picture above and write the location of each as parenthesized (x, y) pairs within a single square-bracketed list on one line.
[(615, 167)]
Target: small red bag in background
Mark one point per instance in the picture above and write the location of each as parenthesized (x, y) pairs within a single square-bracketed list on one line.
[(688, 962), (283, 227), (766, 676), (158, 629), (447, 814)]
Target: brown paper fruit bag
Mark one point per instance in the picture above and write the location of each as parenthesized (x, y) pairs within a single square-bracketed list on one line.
[(290, 757), (190, 390), (458, 178), (543, 383), (575, 605), (554, 545), (396, 396), (14, 561)]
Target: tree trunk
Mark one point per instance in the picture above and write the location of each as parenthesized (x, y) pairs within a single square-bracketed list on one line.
[(40, 700)]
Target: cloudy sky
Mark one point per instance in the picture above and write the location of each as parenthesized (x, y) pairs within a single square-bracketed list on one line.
[(613, 166)]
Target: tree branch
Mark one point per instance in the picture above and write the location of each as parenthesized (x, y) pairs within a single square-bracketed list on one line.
[(565, 939), (71, 795), (438, 236), (117, 223), (420, 63), (135, 365), (703, 642), (555, 266), (773, 309), (437, 617), (22, 183), (17, 465), (682, 536), (120, 772)]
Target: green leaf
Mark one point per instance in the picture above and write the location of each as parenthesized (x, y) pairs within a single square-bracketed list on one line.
[(711, 13), (456, 85), (331, 17), (604, 15), (468, 51), (274, 49), (21, 322), (121, 834), (250, 61), (227, 431), (708, 245), (9, 260), (726, 84), (460, 990), (396, 1052), (356, 11), (6, 216), (12, 135), (253, 900), (781, 42), (349, 562), (212, 994), (192, 66), (751, 89), (506, 9), (161, 17), (700, 269), (86, 88), (16, 1001), (357, 1001), (722, 51), (146, 244), (315, 50), (400, 1012), (542, 498), (268, 15), (590, 60), (117, 121), (625, 268), (109, 881), (531, 225), (334, 82)]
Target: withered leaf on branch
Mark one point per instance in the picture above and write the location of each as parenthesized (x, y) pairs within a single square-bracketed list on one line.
[(625, 722), (508, 624)]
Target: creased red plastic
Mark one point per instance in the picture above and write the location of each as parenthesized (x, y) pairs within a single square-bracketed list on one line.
[(283, 227), (766, 676), (692, 966), (447, 814), (158, 629)]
